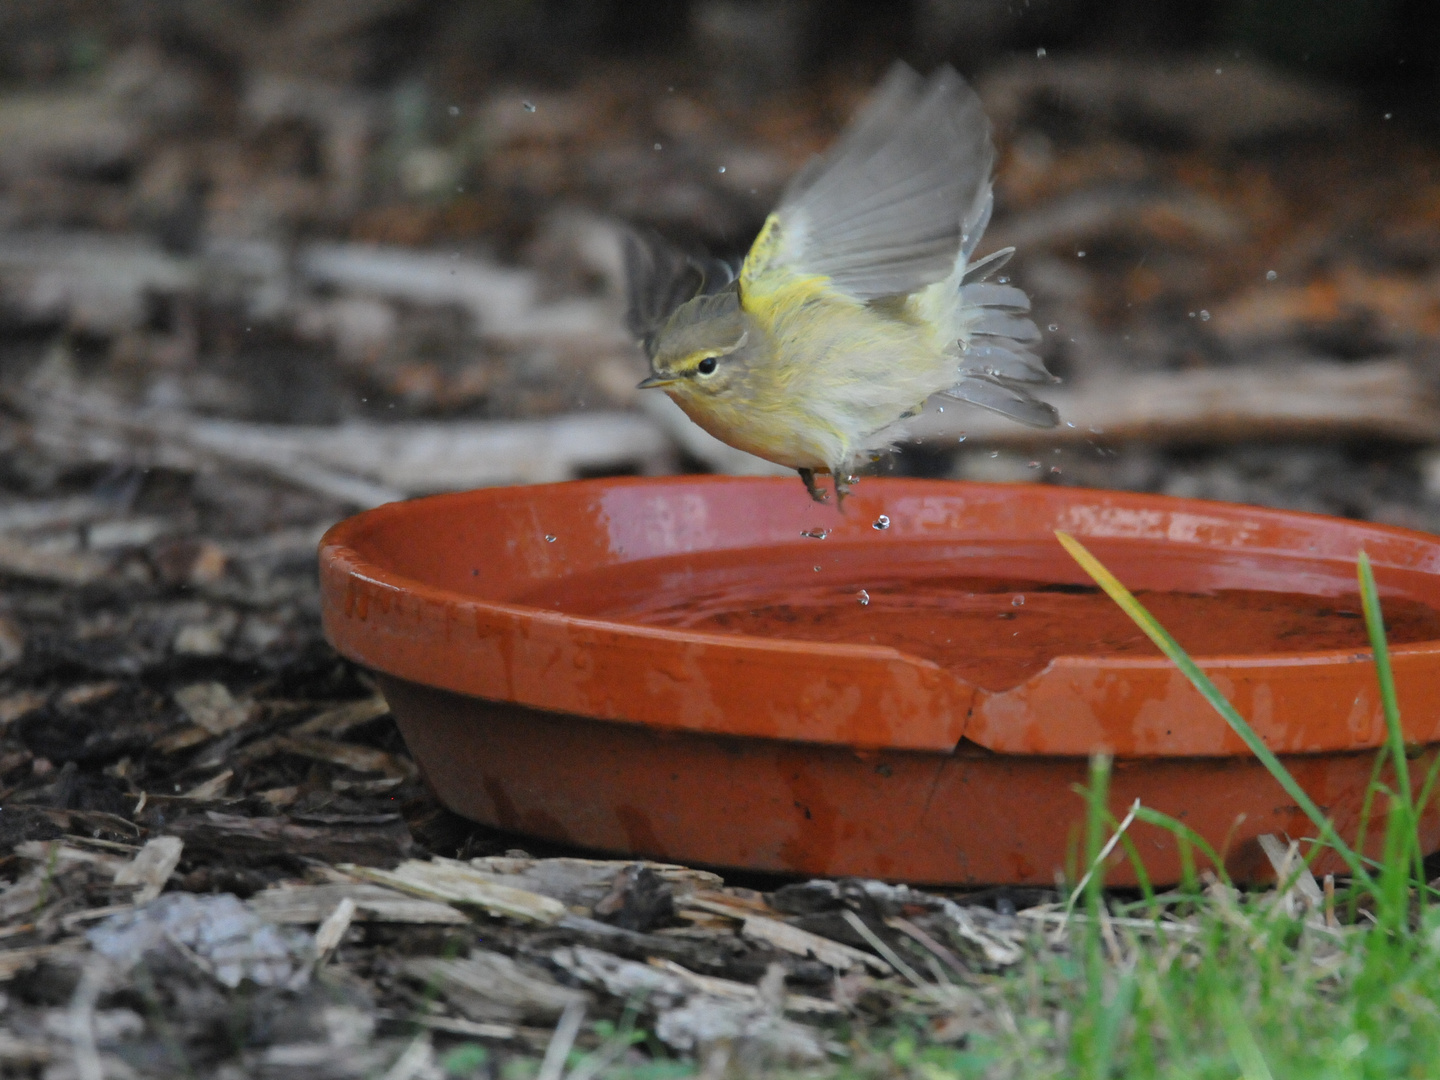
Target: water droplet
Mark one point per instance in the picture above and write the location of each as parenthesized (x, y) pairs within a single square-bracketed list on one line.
[(961, 439), (1219, 71), (882, 522), (1018, 600), (1388, 115), (1204, 315), (658, 146), (1053, 327), (817, 569), (722, 168), (994, 453), (1040, 52), (1033, 464), (1271, 275), (549, 539), (864, 598), (454, 110), (815, 534), (528, 105), (1003, 279), (1079, 254), (939, 408)]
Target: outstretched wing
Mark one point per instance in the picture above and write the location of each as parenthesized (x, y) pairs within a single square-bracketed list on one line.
[(660, 278), (885, 212)]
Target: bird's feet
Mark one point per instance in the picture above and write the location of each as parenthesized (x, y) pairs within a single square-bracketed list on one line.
[(819, 494)]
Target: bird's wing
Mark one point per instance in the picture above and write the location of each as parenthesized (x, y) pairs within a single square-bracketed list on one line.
[(997, 365), (1002, 395), (887, 209), (660, 278)]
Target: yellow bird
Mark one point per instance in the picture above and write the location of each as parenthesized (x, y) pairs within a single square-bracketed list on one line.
[(858, 300)]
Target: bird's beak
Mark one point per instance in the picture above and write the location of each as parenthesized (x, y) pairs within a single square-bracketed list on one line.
[(655, 380)]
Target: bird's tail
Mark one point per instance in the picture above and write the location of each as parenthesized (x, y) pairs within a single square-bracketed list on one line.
[(987, 326)]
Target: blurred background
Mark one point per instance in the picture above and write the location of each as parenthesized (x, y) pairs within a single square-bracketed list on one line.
[(267, 262)]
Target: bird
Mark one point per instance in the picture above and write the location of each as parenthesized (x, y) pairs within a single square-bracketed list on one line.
[(858, 301)]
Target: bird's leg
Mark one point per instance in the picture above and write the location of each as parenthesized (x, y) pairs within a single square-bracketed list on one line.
[(818, 494), (842, 487)]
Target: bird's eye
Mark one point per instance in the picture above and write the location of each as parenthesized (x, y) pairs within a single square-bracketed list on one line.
[(707, 366)]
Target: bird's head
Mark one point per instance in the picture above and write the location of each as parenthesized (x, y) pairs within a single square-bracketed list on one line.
[(694, 351)]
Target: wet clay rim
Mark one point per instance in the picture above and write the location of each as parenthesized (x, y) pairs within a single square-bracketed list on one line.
[(854, 695)]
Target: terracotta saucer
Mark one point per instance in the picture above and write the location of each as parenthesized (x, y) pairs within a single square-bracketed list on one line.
[(717, 670)]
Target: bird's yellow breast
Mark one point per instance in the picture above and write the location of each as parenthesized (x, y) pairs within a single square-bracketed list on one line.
[(820, 374)]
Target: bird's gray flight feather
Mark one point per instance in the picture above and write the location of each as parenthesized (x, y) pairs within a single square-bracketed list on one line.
[(999, 395), (887, 210)]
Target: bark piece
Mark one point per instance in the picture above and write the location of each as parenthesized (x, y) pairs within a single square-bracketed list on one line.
[(311, 904), (212, 707), (256, 841), (488, 986), (151, 868), (457, 883), (585, 882)]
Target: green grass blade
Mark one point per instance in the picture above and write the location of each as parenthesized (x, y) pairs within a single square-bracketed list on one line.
[(1095, 1051), (1092, 885), (1241, 1039), (1142, 876), (1111, 1021), (1390, 706), (1181, 831), (1367, 804), (1427, 790), (1211, 693), (1093, 867)]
